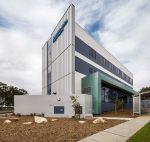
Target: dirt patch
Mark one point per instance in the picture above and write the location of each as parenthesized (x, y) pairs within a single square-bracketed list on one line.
[(64, 129), (120, 113)]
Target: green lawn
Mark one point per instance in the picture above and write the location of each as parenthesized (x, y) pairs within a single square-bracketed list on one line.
[(143, 135)]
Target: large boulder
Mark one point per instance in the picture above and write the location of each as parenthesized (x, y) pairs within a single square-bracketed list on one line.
[(7, 121), (38, 119), (99, 120)]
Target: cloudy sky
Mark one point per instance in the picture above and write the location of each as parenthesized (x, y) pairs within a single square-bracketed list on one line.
[(121, 26)]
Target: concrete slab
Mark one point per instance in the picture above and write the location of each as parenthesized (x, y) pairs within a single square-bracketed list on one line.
[(105, 137), (116, 118), (87, 140), (119, 133)]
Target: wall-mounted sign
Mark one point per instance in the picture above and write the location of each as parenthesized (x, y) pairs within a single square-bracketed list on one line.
[(60, 30)]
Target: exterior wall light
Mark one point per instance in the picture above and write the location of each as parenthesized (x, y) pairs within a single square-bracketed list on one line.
[(54, 93), (59, 99)]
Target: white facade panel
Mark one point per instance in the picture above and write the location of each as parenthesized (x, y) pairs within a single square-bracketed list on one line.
[(44, 69), (88, 104), (83, 35), (62, 76), (78, 82), (62, 66), (63, 85), (65, 39)]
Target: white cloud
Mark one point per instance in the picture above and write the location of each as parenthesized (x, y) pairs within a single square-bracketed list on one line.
[(30, 25), (124, 32)]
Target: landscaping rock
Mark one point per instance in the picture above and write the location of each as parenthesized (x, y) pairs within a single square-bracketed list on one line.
[(53, 120), (13, 119), (27, 123), (38, 119), (7, 121), (81, 122), (99, 120)]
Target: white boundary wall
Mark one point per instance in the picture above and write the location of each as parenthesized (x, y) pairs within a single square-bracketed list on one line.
[(27, 104)]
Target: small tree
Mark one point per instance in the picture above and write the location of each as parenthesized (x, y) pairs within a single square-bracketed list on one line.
[(118, 104), (144, 89), (7, 94), (114, 97), (76, 106)]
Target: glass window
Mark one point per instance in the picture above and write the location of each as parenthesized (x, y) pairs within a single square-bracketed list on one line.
[(130, 80), (127, 78), (90, 70), (92, 53), (111, 66), (49, 75), (123, 75), (104, 61), (117, 70), (49, 90), (86, 90)]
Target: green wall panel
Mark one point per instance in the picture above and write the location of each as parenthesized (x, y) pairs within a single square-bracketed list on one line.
[(94, 81)]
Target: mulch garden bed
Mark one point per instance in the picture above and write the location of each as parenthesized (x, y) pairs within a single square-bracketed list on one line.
[(120, 113), (61, 130)]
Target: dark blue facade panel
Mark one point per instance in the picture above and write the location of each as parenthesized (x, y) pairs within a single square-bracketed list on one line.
[(106, 107), (49, 89), (83, 67), (58, 109), (91, 54)]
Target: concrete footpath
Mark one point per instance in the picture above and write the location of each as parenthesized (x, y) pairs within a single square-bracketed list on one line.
[(119, 133)]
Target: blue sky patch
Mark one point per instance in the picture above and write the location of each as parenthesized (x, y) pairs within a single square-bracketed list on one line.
[(94, 27), (4, 22)]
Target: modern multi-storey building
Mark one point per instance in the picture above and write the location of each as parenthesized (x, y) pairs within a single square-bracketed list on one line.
[(74, 63)]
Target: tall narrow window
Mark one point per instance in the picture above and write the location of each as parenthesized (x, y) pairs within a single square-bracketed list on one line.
[(90, 70), (117, 70), (92, 53), (122, 75)]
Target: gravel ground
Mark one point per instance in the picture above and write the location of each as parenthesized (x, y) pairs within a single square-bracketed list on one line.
[(62, 130)]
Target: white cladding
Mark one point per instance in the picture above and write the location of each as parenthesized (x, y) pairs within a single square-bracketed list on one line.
[(44, 69), (78, 82), (83, 35), (63, 59), (29, 104)]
